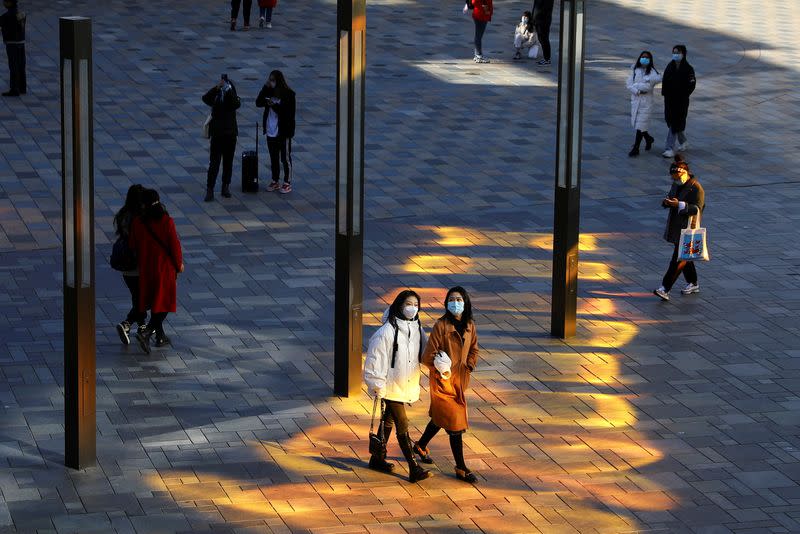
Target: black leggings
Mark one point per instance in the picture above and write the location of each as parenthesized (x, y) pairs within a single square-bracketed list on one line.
[(456, 443), (248, 4), (280, 151), (134, 316), (542, 28), (676, 268), (157, 322), (395, 415)]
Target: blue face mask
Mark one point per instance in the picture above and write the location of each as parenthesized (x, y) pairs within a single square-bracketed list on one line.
[(644, 61), (677, 57), (455, 307)]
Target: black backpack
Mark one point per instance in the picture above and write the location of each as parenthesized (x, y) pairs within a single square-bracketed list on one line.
[(123, 258)]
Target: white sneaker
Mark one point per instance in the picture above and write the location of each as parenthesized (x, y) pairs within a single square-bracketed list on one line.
[(668, 153), (662, 293), (269, 25), (690, 288), (684, 146)]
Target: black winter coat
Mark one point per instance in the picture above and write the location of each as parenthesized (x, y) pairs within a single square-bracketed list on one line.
[(12, 24), (286, 110), (695, 197), (677, 84), (223, 111)]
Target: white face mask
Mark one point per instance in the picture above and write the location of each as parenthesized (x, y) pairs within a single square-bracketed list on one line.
[(524, 20), (410, 312)]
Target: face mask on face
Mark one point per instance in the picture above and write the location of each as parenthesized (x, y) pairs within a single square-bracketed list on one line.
[(524, 20), (455, 307), (410, 312), (677, 57), (644, 61)]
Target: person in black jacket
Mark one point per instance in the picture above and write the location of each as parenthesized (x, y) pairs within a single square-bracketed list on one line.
[(12, 24), (542, 19), (686, 201), (223, 130), (278, 122), (676, 86)]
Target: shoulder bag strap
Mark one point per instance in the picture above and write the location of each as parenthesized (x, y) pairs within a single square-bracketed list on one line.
[(161, 243), (394, 346)]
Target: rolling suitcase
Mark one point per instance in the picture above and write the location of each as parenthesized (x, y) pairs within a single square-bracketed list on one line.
[(250, 169)]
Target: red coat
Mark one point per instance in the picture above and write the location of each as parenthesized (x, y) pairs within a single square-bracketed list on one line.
[(158, 269), (267, 3), (482, 10)]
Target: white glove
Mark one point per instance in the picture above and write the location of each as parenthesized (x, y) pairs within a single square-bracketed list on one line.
[(442, 363)]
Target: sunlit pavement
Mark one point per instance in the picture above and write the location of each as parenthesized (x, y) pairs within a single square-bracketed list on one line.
[(657, 417)]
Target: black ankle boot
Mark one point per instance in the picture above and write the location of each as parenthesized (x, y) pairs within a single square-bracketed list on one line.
[(209, 195), (634, 152), (415, 471), (379, 463), (226, 190), (648, 141)]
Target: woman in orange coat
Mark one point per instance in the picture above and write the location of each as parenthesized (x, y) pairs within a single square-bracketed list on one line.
[(451, 355)]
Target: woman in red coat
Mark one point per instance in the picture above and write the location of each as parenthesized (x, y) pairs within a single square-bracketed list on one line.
[(158, 250), (482, 11)]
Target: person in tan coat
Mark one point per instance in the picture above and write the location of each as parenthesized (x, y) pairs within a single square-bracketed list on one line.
[(450, 355)]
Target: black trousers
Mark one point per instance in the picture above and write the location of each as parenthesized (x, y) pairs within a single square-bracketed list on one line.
[(394, 415), (542, 28), (134, 316), (221, 149), (248, 4), (157, 322), (280, 151), (16, 67), (676, 268)]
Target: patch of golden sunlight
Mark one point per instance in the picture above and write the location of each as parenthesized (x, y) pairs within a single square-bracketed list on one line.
[(488, 266), (456, 236)]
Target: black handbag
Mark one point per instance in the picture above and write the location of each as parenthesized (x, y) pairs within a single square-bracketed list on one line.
[(122, 257), (377, 446)]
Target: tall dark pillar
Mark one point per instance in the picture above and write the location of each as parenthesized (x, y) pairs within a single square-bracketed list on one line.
[(351, 38), (568, 169), (77, 178)]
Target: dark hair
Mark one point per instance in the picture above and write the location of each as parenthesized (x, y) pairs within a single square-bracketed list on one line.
[(678, 164), (396, 309), (466, 317), (153, 210), (682, 49), (280, 82), (131, 209), (530, 20), (648, 68)]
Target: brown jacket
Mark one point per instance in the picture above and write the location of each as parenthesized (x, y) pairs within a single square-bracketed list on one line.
[(448, 399)]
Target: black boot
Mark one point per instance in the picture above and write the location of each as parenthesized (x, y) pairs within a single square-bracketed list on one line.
[(209, 195), (415, 471), (226, 190), (378, 462), (648, 141), (635, 150)]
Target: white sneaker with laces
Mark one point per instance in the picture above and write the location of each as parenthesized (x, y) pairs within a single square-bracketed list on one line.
[(668, 153), (690, 288), (683, 147), (661, 293)]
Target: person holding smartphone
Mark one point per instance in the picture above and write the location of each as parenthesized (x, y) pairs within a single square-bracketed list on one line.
[(278, 124), (223, 130)]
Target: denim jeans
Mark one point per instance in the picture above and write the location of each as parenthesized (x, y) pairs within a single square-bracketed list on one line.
[(670, 144), (480, 27), (265, 13)]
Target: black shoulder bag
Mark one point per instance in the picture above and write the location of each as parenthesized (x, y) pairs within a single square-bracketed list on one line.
[(377, 446)]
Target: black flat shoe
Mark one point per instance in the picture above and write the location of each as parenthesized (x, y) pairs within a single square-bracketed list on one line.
[(423, 454), (162, 341), (466, 475)]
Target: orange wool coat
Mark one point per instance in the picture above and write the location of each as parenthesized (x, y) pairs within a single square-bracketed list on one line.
[(448, 399)]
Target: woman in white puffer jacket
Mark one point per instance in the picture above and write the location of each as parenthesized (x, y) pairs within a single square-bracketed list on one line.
[(641, 83), (392, 371)]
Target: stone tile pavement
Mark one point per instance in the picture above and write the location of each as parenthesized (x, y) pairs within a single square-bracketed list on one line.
[(657, 417)]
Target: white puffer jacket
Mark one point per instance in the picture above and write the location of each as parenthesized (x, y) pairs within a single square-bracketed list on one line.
[(401, 382)]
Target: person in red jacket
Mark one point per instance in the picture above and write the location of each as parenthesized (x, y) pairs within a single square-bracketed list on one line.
[(158, 251), (481, 14), (265, 8)]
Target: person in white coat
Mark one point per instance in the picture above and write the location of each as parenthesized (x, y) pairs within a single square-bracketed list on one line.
[(641, 83), (525, 35), (392, 371)]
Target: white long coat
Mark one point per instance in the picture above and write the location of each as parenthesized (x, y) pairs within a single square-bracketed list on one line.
[(401, 382), (641, 86)]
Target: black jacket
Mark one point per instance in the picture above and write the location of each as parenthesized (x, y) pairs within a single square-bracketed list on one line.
[(542, 10), (223, 111), (12, 23), (677, 84), (695, 197), (285, 110)]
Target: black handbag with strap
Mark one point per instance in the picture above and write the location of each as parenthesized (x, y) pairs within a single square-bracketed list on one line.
[(164, 246), (377, 446)]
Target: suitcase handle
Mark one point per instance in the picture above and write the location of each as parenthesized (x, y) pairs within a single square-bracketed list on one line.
[(256, 138)]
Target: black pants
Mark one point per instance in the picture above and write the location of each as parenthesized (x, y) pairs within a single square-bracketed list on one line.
[(16, 68), (221, 149), (157, 322), (248, 4), (480, 28), (394, 415), (134, 316), (676, 268), (542, 28), (456, 442), (280, 151)]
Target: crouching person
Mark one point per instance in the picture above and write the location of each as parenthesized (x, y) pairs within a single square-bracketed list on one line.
[(392, 371)]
